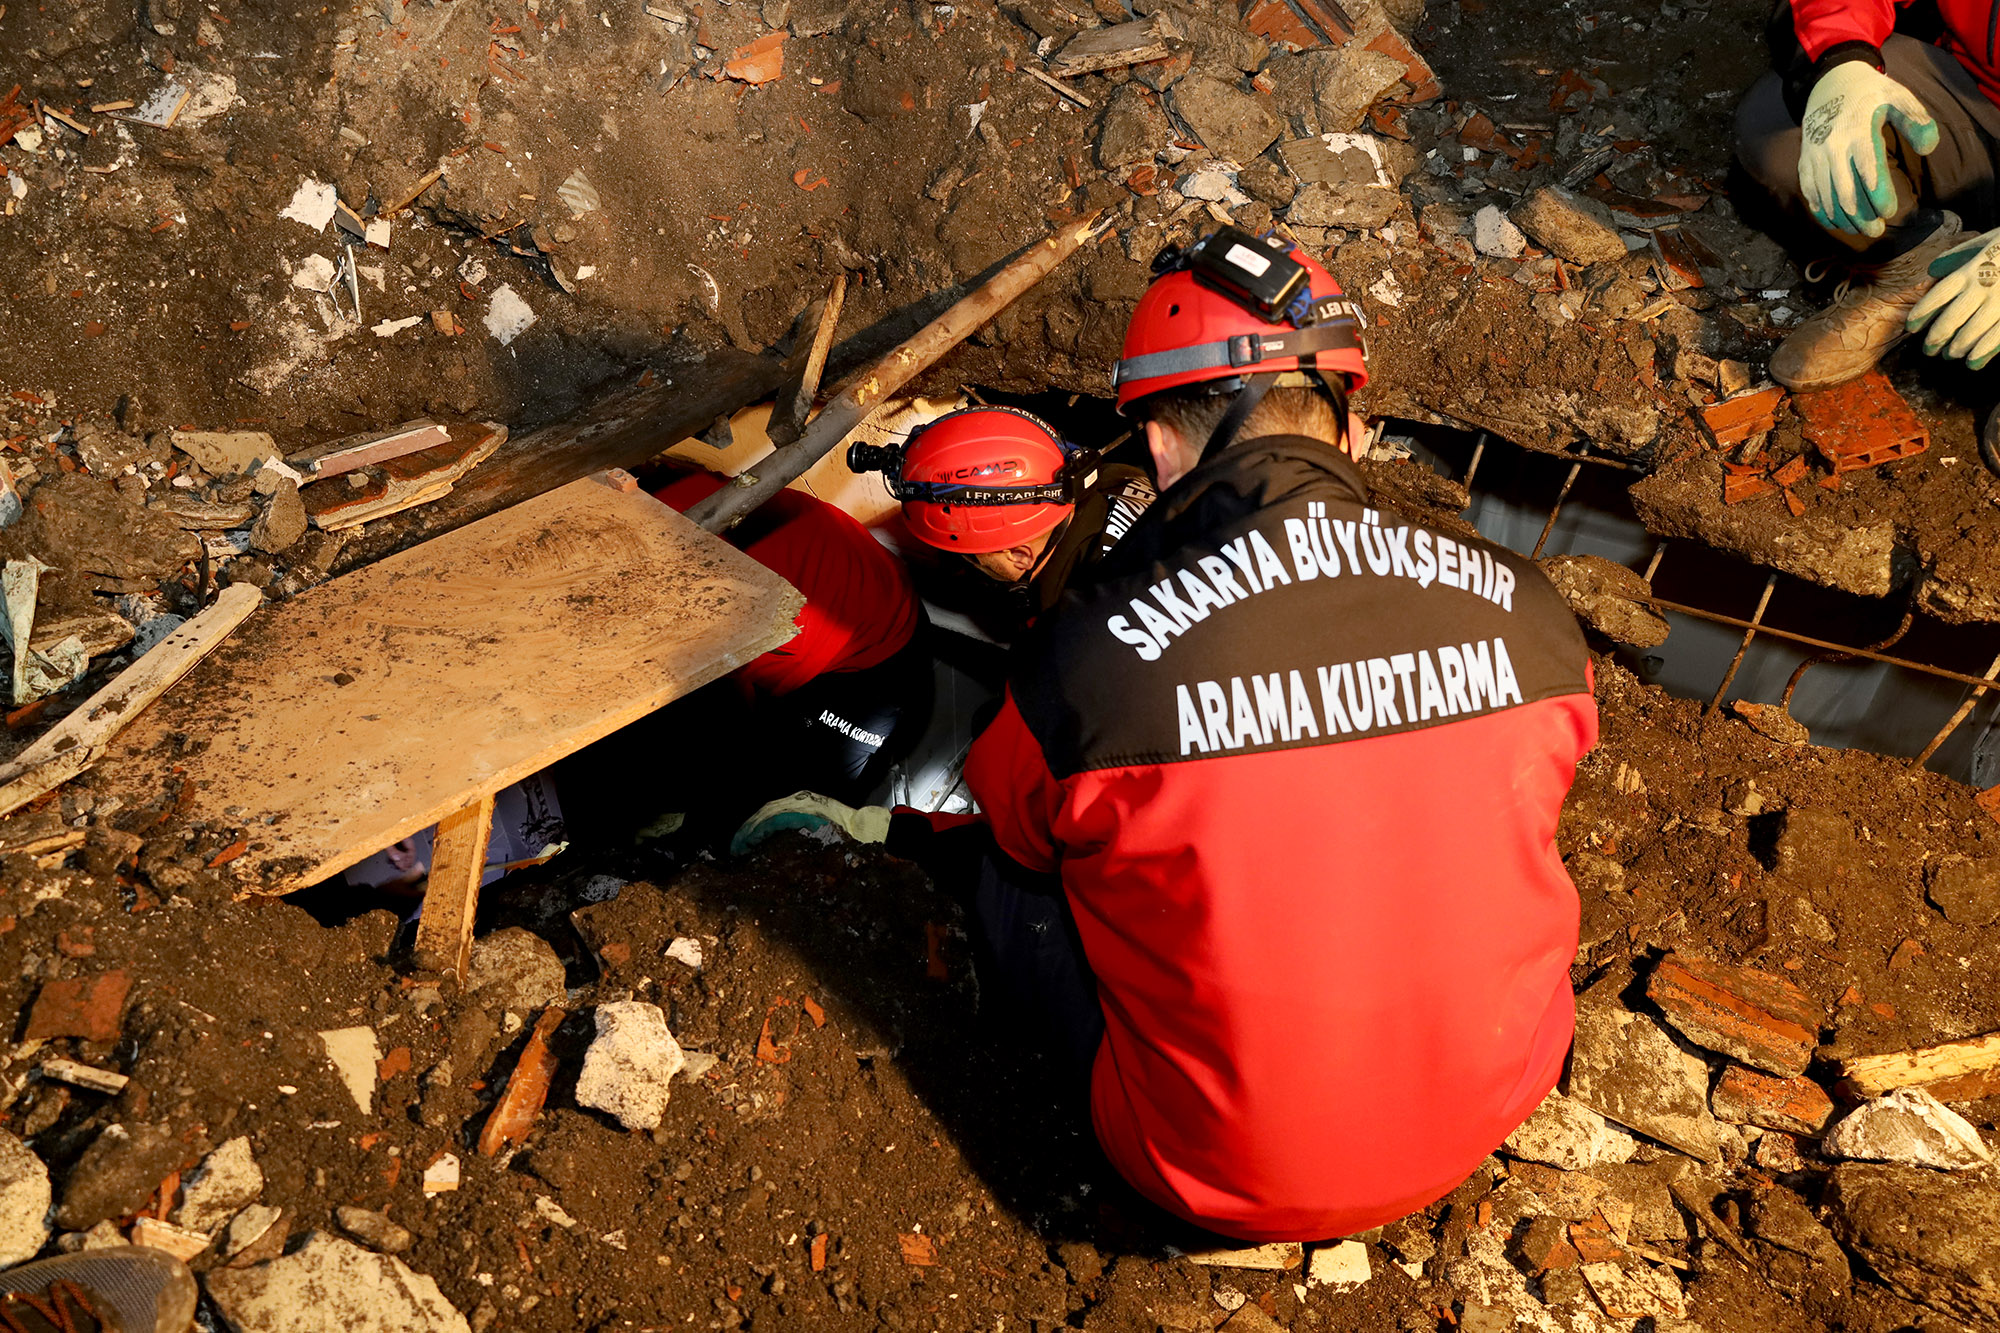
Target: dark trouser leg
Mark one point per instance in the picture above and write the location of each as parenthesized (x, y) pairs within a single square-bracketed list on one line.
[(1959, 174), (1030, 957)]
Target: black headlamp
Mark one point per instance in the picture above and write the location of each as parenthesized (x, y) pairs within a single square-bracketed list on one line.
[(1072, 479), (1256, 272)]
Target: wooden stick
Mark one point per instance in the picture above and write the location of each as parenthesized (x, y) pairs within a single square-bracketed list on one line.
[(1873, 1075), (794, 405), (722, 510), (76, 742), (527, 1088), (56, 115), (1063, 88), (429, 180), (458, 863)]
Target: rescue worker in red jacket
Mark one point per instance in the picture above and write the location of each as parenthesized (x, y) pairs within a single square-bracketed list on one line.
[(1009, 510), (828, 709), (1881, 146), (1274, 794)]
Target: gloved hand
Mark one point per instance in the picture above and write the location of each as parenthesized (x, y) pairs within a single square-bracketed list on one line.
[(1843, 162), (1963, 308), (810, 810)]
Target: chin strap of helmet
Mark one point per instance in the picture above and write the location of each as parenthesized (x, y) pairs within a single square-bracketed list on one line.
[(1240, 407)]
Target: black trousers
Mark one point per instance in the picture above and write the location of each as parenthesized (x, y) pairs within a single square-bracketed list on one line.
[(1959, 174)]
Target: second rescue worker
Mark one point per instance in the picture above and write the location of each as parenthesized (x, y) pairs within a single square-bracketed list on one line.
[(1295, 765)]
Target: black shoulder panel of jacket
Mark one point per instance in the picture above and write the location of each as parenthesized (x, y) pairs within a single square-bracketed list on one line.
[(1259, 604), (1104, 514)]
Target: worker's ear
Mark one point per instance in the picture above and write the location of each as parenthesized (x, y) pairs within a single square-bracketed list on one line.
[(1169, 451), (1356, 438)]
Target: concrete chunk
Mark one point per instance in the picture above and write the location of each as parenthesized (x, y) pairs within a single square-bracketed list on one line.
[(1909, 1127), (1565, 1133), (1966, 890), (1229, 122), (1625, 1067), (630, 1065), (1495, 236), (330, 1285), (354, 1056), (227, 1181), (1569, 226), (24, 1201)]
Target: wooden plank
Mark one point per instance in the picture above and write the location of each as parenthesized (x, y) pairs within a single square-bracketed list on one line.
[(77, 741), (376, 704), (451, 895), (1873, 1075), (353, 451)]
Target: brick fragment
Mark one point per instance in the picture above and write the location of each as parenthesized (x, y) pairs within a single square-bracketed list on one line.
[(1734, 420), (1862, 423), (86, 1007), (1763, 1020), (1794, 1105), (1544, 1245)]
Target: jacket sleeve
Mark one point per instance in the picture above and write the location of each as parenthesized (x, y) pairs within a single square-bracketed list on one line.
[(1824, 24), (1020, 798)]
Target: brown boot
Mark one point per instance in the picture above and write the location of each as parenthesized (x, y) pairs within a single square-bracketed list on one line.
[(1847, 339)]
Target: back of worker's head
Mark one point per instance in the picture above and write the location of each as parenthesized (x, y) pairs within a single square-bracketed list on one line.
[(983, 479), (1240, 336)]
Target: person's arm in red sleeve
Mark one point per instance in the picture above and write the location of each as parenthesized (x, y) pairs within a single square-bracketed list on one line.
[(1007, 775), (1857, 27)]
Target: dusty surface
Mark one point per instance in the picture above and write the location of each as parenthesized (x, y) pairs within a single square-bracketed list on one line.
[(910, 1112)]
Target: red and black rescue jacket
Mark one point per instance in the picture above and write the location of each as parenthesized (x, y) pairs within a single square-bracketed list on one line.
[(1299, 764)]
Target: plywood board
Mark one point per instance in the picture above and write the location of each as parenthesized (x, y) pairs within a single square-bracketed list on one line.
[(372, 706)]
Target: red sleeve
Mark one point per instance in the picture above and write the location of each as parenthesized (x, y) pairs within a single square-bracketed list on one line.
[(1824, 23), (1020, 798)]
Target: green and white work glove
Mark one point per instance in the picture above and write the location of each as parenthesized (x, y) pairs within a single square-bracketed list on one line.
[(807, 810), (1843, 161), (1963, 309)]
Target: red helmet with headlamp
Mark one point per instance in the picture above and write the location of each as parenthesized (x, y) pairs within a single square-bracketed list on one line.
[(1239, 314), (983, 479)]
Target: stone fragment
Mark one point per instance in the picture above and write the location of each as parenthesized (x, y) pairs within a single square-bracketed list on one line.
[(1565, 1133), (354, 1056), (1214, 183), (1267, 183), (1131, 130), (1334, 88), (1276, 1257), (1756, 1017), (227, 1181), (1330, 204), (1909, 1127), (373, 1229), (1625, 1067), (119, 1172), (224, 453), (87, 1007), (78, 523), (1230, 123), (1608, 597), (1250, 1319), (282, 522), (1493, 235), (441, 1176), (1635, 1293), (180, 1242), (1342, 1267), (1966, 890), (1930, 1238), (517, 970), (1794, 1105), (1772, 721), (329, 1285), (24, 1202), (1569, 226), (630, 1064), (1812, 1257), (248, 1227)]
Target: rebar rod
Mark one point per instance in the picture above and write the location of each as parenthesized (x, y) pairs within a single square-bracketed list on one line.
[(1749, 633), (1963, 711)]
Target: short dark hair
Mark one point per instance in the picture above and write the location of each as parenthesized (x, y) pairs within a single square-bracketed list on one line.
[(1284, 411)]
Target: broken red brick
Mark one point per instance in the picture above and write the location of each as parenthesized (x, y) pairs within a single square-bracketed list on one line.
[(1423, 84), (1791, 472), (1735, 490), (1989, 801), (819, 1252), (771, 1051), (1909, 951), (760, 62), (229, 853), (1862, 424), (1734, 420), (1761, 1019), (1480, 132), (86, 1007), (1143, 180), (527, 1088), (1746, 1097), (1274, 21), (813, 1011), (394, 1063), (1595, 1245), (919, 1250), (1795, 505), (1545, 1246)]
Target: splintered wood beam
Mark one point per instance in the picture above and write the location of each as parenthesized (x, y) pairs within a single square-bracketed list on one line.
[(458, 863), (75, 743), (1873, 1075)]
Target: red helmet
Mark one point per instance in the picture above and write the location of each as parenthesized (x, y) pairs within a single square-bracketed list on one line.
[(982, 479), (1234, 305)]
